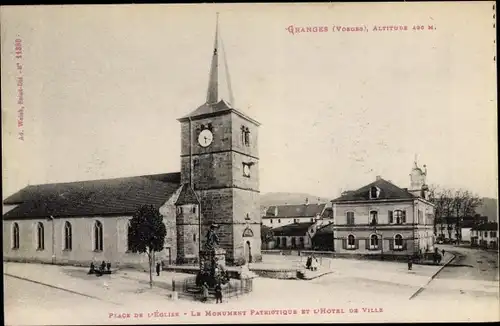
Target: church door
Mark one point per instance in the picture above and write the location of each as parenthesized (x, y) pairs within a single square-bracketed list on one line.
[(248, 252)]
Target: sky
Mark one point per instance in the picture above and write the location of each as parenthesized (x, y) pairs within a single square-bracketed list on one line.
[(103, 87)]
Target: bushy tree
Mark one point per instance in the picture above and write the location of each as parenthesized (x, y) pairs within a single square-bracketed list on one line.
[(147, 234)]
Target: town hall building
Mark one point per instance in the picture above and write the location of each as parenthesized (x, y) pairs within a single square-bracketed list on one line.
[(85, 221), (384, 220)]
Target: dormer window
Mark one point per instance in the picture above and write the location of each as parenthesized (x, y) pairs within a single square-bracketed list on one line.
[(374, 192)]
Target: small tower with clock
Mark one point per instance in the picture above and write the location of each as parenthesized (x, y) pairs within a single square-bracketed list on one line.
[(220, 161)]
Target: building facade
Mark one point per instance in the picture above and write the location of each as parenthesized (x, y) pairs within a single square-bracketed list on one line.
[(382, 219), (81, 222), (485, 235), (281, 215)]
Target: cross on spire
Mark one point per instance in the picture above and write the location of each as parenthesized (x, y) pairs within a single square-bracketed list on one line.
[(214, 84)]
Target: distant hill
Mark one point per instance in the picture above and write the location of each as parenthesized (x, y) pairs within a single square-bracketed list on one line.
[(489, 208), (289, 198)]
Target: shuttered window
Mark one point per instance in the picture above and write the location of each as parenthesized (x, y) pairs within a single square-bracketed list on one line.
[(391, 217)]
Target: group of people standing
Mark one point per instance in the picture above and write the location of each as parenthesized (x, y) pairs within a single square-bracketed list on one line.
[(206, 294)]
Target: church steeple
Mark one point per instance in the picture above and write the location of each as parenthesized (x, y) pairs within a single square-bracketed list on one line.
[(216, 90)]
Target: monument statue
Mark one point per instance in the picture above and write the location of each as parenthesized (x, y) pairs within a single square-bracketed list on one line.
[(212, 269), (212, 241)]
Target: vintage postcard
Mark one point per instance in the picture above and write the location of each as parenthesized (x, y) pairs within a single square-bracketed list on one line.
[(249, 163)]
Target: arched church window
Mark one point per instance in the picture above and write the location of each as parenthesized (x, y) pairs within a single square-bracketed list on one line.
[(15, 236), (68, 236), (40, 233), (98, 236)]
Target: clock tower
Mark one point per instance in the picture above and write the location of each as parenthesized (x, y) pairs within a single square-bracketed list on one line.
[(220, 161)]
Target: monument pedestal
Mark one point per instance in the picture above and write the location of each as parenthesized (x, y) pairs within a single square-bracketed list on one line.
[(212, 264)]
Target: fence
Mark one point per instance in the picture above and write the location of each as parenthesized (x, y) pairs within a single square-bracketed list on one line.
[(234, 288)]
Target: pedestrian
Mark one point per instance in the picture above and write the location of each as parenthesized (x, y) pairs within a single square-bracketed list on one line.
[(158, 267), (308, 262), (442, 251), (218, 293), (410, 263), (92, 268), (103, 266), (204, 288)]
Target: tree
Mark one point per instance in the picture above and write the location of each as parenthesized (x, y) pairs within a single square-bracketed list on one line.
[(147, 234), (453, 204)]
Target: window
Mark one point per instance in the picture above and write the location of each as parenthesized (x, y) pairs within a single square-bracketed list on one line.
[(179, 210), (312, 219), (374, 192), (350, 218), (98, 236), (194, 209), (294, 244), (296, 220), (271, 220), (373, 218), (493, 234), (351, 242), (40, 236), (397, 217), (194, 237), (277, 242), (68, 236), (246, 169), (15, 236), (245, 136), (398, 242), (373, 242), (279, 220)]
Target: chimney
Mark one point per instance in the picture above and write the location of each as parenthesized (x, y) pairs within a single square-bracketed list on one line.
[(276, 211), (307, 201), (378, 178)]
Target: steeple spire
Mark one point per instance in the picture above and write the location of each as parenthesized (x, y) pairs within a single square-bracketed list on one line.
[(214, 84)]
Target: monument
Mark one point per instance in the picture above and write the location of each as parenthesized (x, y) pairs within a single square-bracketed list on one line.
[(212, 261)]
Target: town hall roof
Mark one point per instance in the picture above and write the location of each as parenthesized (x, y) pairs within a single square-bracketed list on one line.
[(387, 191), (95, 197)]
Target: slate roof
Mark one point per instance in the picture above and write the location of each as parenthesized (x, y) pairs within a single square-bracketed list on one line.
[(326, 229), (221, 106), (387, 191), (213, 109), (296, 229), (95, 197), (301, 210), (187, 196)]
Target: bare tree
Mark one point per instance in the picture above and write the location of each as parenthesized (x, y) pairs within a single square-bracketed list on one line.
[(453, 204)]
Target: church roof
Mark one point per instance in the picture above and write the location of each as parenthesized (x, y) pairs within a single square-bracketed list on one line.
[(95, 197), (387, 191), (209, 109), (187, 196)]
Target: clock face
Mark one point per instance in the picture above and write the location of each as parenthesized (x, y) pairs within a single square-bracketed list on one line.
[(205, 138), (246, 170)]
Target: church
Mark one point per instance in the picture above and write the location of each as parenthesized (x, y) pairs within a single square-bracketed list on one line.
[(80, 222)]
